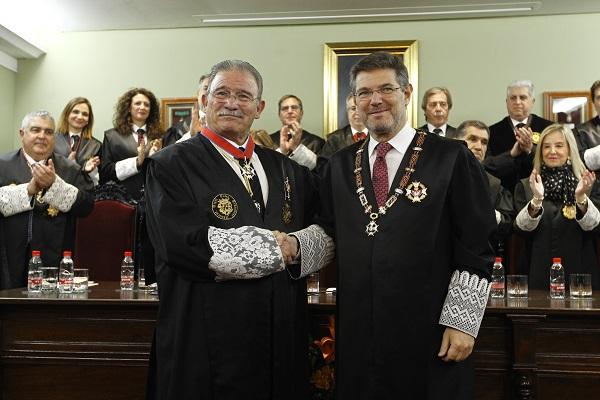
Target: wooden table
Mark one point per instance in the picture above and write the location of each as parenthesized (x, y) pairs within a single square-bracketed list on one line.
[(89, 346), (534, 348), (96, 345)]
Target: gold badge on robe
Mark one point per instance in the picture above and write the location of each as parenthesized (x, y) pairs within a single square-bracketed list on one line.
[(535, 137), (52, 211), (224, 206), (569, 212), (286, 211), (416, 191)]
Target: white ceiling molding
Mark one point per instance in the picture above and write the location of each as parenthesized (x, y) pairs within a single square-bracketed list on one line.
[(8, 62), (14, 45)]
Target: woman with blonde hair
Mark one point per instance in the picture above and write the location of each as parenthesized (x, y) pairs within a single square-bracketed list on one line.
[(558, 206), (74, 136)]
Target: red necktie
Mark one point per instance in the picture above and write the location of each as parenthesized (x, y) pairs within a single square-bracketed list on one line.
[(140, 137), (380, 174), (358, 136)]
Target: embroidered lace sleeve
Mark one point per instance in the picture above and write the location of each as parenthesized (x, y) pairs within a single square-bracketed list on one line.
[(316, 250), (61, 195), (246, 252), (465, 302), (14, 199), (591, 218), (304, 156), (525, 222)]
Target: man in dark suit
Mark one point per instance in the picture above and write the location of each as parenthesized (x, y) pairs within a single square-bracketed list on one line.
[(512, 140), (437, 103), (293, 141), (182, 130), (588, 134), (41, 194), (476, 134), (349, 134)]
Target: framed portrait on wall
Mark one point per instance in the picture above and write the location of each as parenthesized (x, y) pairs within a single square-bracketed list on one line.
[(175, 109), (339, 59), (570, 108)]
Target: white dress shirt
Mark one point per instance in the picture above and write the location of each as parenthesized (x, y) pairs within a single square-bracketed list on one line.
[(393, 158)]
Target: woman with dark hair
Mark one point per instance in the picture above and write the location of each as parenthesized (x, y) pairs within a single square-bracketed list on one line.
[(559, 215), (74, 136), (135, 136)]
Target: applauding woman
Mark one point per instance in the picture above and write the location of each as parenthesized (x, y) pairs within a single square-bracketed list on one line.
[(559, 215), (136, 135), (74, 136)]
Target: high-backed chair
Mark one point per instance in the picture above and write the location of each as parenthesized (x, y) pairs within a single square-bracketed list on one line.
[(103, 236)]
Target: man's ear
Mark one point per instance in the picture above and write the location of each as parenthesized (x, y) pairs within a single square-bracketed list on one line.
[(260, 108)]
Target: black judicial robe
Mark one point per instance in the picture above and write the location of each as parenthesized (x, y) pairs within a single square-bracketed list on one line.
[(392, 286), (50, 235), (87, 149), (238, 339), (117, 147), (557, 236)]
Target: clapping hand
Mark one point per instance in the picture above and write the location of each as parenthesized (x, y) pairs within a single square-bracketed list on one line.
[(290, 137), (91, 164), (156, 146), (536, 185), (583, 186), (524, 142), (43, 175)]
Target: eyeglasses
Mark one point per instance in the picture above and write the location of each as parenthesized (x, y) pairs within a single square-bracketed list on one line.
[(241, 98), (367, 94), (293, 107)]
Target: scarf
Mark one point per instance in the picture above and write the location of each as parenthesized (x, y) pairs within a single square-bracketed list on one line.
[(559, 184)]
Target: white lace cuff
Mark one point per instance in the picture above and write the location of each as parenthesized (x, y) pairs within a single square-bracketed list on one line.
[(591, 218), (304, 156), (465, 302), (316, 250), (592, 158), (126, 168), (246, 252), (498, 217), (14, 199), (525, 222), (61, 195)]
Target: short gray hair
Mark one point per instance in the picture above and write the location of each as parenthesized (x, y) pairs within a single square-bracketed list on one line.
[(36, 114), (526, 83), (237, 65), (461, 131)]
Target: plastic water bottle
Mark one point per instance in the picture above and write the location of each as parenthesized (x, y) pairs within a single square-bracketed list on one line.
[(557, 279), (127, 271), (498, 281), (34, 274), (65, 273)]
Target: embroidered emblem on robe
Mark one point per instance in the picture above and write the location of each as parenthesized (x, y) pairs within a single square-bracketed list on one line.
[(224, 206)]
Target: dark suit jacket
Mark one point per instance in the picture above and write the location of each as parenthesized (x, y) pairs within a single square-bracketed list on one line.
[(502, 200), (87, 149), (313, 142), (175, 132), (337, 140), (587, 135), (498, 161), (117, 147), (49, 234), (450, 131)]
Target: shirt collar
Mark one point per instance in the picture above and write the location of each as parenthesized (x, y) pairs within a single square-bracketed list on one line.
[(136, 128), (355, 131), (515, 122), (431, 128), (29, 159), (399, 142)]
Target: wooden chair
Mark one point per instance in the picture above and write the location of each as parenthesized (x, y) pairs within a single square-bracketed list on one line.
[(103, 236)]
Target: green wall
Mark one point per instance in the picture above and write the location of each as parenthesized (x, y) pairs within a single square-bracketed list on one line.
[(8, 133), (474, 58)]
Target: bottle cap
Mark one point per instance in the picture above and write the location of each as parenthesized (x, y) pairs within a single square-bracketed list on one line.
[(67, 253), (498, 259), (556, 260), (127, 254), (35, 253)]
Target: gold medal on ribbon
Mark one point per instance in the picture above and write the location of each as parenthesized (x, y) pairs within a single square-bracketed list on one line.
[(224, 206), (416, 192), (52, 211), (286, 213), (569, 211), (535, 137)]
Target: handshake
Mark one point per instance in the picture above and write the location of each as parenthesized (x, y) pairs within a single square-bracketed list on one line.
[(290, 248)]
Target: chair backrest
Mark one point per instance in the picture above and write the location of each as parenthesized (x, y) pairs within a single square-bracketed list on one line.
[(102, 237)]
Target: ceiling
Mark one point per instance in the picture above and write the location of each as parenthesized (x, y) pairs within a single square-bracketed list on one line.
[(95, 15)]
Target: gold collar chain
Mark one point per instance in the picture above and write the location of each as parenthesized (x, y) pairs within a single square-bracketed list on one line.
[(372, 227)]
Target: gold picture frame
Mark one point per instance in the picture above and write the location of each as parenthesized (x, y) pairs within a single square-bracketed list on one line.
[(174, 109), (570, 108), (339, 58)]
